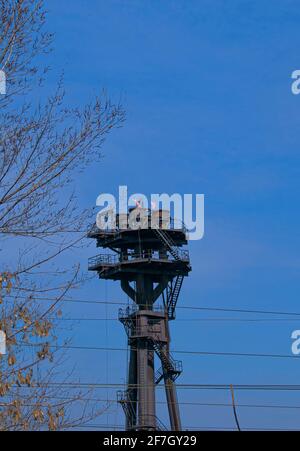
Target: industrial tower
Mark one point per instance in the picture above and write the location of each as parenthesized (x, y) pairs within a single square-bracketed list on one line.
[(149, 261)]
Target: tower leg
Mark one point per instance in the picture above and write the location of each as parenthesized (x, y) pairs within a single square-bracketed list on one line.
[(132, 391), (171, 394), (172, 405), (146, 387), (151, 388)]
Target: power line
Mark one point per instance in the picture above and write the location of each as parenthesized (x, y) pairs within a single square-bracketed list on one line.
[(221, 387), (254, 320), (187, 307), (185, 403), (221, 309), (209, 353), (193, 428)]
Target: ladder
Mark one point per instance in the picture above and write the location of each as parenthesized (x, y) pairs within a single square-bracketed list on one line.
[(159, 375), (170, 368), (173, 297), (174, 293), (123, 398), (169, 243)]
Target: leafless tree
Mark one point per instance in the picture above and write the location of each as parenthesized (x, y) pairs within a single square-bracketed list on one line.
[(42, 149)]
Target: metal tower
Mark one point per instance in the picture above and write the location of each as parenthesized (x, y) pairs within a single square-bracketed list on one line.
[(150, 264)]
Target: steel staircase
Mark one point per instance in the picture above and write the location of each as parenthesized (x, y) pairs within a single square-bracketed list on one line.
[(123, 398), (160, 426), (159, 375), (173, 297), (170, 368), (169, 243)]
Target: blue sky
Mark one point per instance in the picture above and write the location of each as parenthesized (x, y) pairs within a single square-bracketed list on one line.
[(207, 90)]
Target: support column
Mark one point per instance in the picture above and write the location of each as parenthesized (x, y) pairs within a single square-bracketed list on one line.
[(132, 390), (172, 401), (171, 394), (142, 408), (151, 387), (146, 386)]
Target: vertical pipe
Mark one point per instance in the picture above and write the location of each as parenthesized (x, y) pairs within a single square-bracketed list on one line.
[(145, 358), (170, 388), (142, 389), (132, 390), (146, 399), (151, 388), (173, 408)]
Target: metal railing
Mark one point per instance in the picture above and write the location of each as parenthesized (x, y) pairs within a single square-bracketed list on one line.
[(144, 421), (102, 260), (111, 259), (126, 313), (151, 331), (172, 224), (173, 370), (148, 330)]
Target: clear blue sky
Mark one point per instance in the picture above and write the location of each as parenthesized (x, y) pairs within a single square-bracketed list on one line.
[(206, 86)]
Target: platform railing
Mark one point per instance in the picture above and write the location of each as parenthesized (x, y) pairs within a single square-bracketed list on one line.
[(131, 310), (102, 259), (145, 331), (173, 224), (112, 259)]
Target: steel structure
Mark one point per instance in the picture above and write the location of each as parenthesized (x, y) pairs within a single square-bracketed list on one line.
[(149, 262)]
